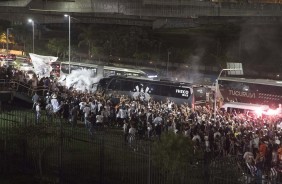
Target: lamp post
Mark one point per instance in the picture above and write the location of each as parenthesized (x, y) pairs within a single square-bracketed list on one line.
[(216, 86), (69, 17), (168, 53), (32, 23), (7, 37)]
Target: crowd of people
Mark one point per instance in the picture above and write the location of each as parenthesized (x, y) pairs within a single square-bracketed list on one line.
[(256, 139)]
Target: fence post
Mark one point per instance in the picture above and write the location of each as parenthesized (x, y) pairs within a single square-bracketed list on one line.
[(207, 167), (61, 153), (102, 147), (149, 166), (25, 144)]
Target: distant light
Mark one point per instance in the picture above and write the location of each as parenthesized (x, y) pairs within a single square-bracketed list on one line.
[(66, 15), (152, 76), (258, 112), (30, 20)]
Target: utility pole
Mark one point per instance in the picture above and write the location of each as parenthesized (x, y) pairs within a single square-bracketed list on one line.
[(168, 54)]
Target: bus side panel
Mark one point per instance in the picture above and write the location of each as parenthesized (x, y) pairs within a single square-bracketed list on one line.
[(100, 71)]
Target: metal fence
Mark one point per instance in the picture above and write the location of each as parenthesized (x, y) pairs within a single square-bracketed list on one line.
[(56, 152)]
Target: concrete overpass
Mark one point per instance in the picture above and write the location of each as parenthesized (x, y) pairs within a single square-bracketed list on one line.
[(152, 13)]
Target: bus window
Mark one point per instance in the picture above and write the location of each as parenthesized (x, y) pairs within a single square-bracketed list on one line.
[(108, 73), (127, 85), (115, 85)]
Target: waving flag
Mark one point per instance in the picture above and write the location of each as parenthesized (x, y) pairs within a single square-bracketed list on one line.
[(41, 64)]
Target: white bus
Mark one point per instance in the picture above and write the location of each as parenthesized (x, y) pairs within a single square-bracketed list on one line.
[(104, 71)]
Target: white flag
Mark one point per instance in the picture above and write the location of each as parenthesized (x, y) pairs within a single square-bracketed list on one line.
[(42, 64)]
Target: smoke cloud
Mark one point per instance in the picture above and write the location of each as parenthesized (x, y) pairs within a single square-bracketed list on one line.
[(81, 80)]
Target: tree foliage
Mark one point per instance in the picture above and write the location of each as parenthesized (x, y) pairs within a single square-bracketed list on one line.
[(38, 138), (58, 46), (86, 37), (174, 154)]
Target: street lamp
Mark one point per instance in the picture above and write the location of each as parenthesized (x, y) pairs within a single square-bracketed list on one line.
[(168, 53), (69, 17), (216, 86), (7, 36), (32, 23)]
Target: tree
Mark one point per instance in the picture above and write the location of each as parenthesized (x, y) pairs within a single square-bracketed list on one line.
[(58, 46), (3, 39), (21, 34), (86, 38), (173, 154), (37, 138)]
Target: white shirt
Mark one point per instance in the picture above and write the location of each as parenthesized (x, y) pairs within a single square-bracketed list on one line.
[(125, 127), (248, 156), (216, 134), (55, 104), (93, 107), (99, 118), (37, 108), (196, 137), (132, 131), (99, 106), (122, 113), (86, 111), (82, 105), (256, 142)]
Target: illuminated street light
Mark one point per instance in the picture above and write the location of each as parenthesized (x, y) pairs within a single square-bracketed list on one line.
[(216, 86), (7, 37), (32, 23), (69, 17), (168, 54)]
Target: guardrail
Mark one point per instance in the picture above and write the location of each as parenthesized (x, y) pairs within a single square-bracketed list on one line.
[(21, 87)]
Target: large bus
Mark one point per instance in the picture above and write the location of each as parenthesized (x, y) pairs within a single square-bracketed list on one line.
[(144, 89), (251, 91), (104, 71)]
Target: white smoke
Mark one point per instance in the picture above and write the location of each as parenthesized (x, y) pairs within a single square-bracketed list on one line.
[(41, 64), (81, 80)]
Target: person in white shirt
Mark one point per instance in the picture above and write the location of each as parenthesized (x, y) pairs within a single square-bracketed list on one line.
[(37, 113), (122, 114), (86, 110), (35, 99), (55, 103), (49, 112), (125, 131), (255, 144), (93, 107), (132, 131), (99, 119), (34, 82), (99, 105), (196, 137)]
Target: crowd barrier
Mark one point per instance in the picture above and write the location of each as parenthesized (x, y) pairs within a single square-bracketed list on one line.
[(56, 152)]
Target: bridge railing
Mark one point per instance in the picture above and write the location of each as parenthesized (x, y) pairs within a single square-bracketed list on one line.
[(21, 87)]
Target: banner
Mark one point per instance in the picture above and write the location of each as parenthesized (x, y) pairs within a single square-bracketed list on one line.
[(41, 64)]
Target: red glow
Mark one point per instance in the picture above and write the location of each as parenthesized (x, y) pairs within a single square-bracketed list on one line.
[(271, 112), (259, 112)]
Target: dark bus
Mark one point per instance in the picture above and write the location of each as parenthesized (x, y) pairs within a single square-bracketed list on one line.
[(251, 91), (144, 89)]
